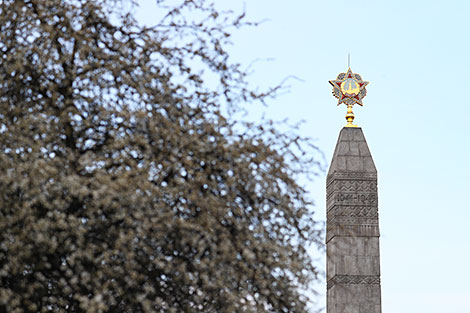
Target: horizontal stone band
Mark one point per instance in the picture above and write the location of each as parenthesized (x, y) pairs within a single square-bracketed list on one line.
[(351, 231), (350, 175), (353, 280)]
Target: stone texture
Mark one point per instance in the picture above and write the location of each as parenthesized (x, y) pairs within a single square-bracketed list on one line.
[(352, 240)]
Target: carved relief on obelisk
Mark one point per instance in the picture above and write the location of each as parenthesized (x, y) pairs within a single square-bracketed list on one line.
[(352, 239)]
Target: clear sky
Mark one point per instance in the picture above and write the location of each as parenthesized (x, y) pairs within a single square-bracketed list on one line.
[(415, 54)]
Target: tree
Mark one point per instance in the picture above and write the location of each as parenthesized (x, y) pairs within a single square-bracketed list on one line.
[(125, 186)]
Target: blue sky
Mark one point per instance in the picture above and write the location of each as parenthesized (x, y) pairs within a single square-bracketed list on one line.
[(415, 54)]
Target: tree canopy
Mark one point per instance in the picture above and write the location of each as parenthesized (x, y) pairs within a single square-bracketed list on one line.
[(126, 185)]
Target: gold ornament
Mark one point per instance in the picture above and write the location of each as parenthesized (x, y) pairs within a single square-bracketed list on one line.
[(350, 89)]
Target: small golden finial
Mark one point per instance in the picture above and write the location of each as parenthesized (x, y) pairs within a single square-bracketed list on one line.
[(350, 89)]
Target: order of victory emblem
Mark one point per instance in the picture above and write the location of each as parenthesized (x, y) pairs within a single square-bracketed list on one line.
[(350, 89)]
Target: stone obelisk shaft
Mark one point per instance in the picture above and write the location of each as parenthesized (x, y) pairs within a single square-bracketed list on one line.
[(352, 236)]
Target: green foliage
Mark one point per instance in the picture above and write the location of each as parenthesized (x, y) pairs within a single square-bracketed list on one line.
[(123, 185)]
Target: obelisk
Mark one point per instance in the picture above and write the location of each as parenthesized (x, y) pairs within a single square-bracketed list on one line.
[(352, 235)]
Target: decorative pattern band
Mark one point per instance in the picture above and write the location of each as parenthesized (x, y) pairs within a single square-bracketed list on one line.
[(353, 280), (352, 185)]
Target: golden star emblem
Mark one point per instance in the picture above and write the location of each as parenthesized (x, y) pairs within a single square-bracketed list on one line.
[(349, 88)]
